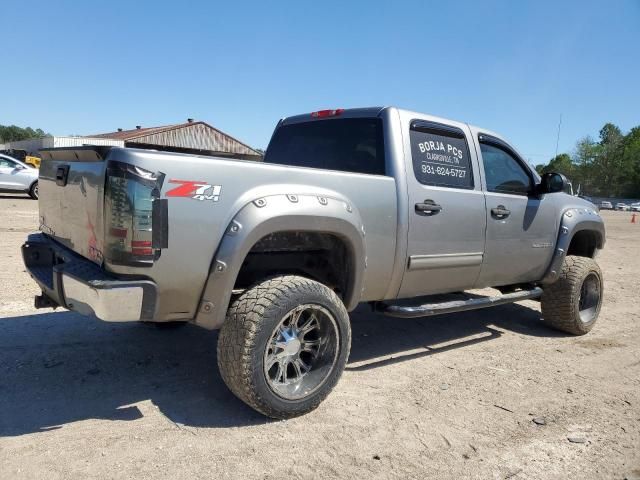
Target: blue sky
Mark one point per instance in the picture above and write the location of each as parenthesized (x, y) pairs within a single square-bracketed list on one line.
[(513, 67)]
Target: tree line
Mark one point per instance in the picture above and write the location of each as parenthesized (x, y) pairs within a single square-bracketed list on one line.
[(606, 167), (12, 133)]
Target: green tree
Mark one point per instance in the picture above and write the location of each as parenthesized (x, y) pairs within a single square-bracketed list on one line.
[(631, 162), (584, 159), (13, 133), (609, 164), (560, 164), (608, 167)]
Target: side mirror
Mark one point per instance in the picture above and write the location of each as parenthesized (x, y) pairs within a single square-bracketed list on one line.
[(552, 183), (19, 167)]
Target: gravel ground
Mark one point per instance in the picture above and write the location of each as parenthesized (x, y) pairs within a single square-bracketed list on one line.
[(451, 397)]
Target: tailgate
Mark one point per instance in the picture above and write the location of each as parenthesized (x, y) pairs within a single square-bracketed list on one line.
[(71, 189)]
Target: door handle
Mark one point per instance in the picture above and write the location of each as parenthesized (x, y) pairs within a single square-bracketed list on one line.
[(428, 207), (500, 212)]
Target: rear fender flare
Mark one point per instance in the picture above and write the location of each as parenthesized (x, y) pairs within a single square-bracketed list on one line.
[(276, 213)]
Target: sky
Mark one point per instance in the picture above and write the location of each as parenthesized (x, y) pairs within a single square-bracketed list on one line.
[(77, 68)]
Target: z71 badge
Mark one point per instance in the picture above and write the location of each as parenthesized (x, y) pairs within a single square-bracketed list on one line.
[(195, 190)]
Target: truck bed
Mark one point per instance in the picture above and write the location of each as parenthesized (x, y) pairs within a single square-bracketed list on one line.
[(72, 214)]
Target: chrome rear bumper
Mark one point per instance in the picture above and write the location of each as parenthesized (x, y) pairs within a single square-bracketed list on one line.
[(71, 281)]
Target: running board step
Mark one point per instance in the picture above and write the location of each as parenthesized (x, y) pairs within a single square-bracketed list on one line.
[(429, 309)]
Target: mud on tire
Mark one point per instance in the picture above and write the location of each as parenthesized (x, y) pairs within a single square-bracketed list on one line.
[(250, 341), (572, 304)]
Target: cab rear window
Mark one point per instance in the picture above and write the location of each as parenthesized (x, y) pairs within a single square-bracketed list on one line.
[(347, 144)]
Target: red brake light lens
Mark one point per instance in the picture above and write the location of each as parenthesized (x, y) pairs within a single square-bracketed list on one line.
[(141, 247), (327, 113)]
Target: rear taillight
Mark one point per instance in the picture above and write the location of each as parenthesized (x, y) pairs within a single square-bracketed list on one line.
[(131, 196)]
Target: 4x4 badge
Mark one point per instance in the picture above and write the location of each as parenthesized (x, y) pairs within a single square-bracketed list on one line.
[(195, 190)]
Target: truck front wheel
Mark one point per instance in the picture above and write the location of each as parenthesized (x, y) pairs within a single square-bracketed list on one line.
[(284, 345), (572, 304)]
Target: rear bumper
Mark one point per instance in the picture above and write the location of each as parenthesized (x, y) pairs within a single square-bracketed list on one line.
[(71, 281)]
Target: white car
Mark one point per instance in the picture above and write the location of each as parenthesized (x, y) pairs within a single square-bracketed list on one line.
[(622, 206), (18, 177), (635, 207)]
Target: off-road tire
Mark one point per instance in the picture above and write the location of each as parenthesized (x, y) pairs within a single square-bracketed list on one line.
[(248, 326), (560, 300), (33, 191)]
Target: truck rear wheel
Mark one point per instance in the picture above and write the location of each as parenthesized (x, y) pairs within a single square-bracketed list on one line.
[(284, 345), (572, 304)]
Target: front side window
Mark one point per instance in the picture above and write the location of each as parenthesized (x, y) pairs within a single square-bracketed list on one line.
[(440, 156), (347, 144), (6, 163), (503, 172)]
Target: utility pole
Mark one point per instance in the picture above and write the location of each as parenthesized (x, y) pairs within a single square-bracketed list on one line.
[(558, 137)]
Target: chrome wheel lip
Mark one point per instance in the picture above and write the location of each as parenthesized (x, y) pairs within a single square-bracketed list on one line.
[(590, 298), (311, 369)]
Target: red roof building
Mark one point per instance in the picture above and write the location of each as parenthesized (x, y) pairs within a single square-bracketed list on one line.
[(191, 137)]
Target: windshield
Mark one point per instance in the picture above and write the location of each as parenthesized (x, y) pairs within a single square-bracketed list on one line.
[(347, 144)]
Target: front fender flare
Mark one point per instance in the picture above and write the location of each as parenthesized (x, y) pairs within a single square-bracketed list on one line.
[(277, 213), (573, 221)]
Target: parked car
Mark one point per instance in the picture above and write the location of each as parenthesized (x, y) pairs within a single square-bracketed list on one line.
[(635, 207), (622, 206), (18, 177), (604, 205), (349, 206)]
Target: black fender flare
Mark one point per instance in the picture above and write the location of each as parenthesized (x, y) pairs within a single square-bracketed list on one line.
[(573, 221)]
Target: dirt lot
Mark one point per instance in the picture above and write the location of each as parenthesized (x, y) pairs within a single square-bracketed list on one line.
[(447, 397)]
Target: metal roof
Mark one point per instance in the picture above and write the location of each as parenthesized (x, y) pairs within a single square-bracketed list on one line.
[(139, 132), (193, 134)]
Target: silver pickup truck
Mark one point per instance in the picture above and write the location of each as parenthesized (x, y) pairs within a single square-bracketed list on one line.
[(349, 206)]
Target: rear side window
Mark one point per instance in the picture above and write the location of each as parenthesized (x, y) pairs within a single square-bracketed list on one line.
[(440, 155), (346, 144)]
